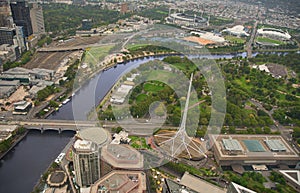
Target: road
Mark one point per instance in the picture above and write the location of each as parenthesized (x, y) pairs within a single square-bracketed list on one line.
[(250, 43), (141, 127)]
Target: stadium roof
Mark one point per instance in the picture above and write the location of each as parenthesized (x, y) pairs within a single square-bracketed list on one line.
[(275, 145), (237, 30), (232, 145), (274, 32)]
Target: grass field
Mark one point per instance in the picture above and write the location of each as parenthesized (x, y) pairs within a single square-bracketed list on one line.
[(150, 87), (133, 47), (269, 40), (96, 54), (141, 97), (138, 142), (234, 39), (160, 75)]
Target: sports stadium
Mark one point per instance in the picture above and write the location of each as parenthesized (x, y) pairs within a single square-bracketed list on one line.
[(274, 33), (186, 20)]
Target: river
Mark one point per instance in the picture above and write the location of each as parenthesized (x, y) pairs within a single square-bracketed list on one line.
[(22, 167)]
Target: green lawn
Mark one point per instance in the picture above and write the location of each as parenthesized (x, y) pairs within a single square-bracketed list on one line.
[(243, 83), (134, 47), (141, 97), (234, 39), (160, 75), (96, 54), (269, 40), (138, 142), (151, 87)]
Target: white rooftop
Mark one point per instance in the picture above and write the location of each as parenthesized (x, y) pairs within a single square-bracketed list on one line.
[(237, 30), (83, 145), (241, 189), (293, 175)]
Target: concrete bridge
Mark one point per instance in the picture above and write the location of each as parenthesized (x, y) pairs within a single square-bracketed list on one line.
[(142, 128), (57, 125)]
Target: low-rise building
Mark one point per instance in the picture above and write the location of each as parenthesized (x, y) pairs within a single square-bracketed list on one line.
[(22, 107), (198, 185), (247, 150), (121, 156), (121, 181)]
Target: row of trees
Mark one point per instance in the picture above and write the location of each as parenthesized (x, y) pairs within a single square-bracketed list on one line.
[(6, 144), (26, 57), (46, 92)]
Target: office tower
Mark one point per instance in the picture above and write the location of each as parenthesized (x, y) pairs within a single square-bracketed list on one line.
[(21, 16), (86, 24), (4, 14), (86, 162), (7, 35), (20, 39), (37, 19)]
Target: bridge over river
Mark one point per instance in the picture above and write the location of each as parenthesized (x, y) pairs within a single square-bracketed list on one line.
[(142, 127)]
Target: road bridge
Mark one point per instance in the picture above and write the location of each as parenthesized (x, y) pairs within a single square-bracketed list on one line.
[(58, 125), (142, 127)]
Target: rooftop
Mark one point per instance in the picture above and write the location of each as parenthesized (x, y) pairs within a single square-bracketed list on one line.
[(96, 134), (121, 182), (254, 145), (232, 145), (84, 145), (255, 150), (275, 145), (237, 30), (199, 185), (122, 156)]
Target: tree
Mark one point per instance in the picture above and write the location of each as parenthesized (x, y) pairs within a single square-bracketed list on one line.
[(232, 130)]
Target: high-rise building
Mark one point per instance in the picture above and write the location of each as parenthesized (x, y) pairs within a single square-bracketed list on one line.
[(37, 19), (86, 162), (86, 24), (20, 39), (21, 16), (4, 14), (7, 35)]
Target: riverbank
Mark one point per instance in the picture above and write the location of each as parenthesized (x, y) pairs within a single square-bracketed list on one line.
[(22, 167), (14, 143)]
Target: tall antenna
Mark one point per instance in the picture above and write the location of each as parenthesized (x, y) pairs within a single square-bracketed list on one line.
[(181, 142)]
